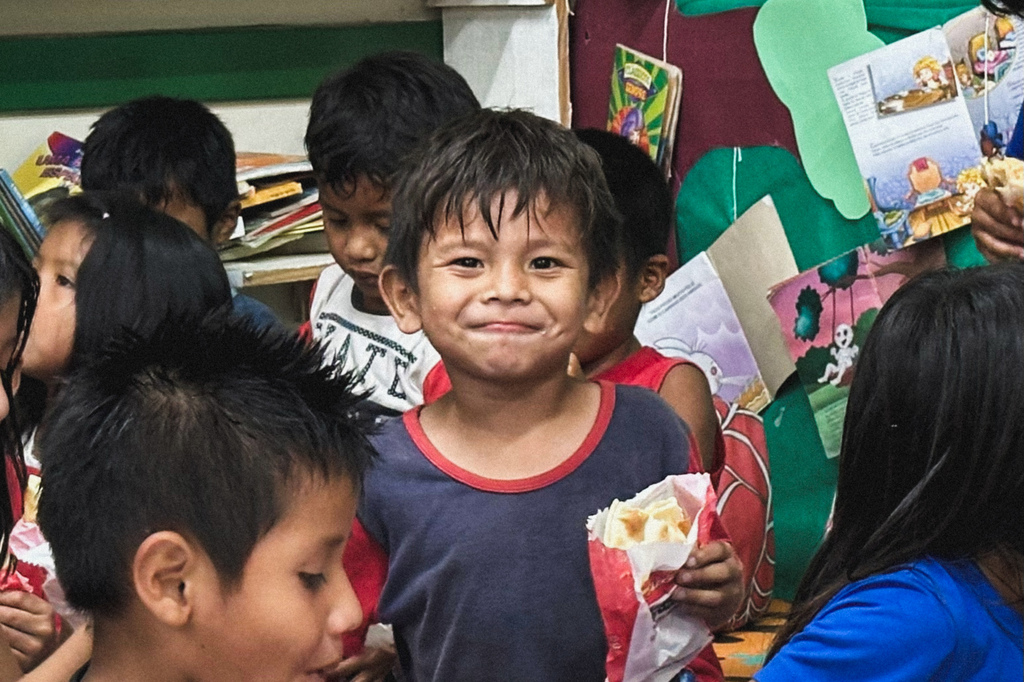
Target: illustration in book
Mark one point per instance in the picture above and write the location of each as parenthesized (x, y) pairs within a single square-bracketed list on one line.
[(825, 314), (644, 105), (989, 62), (912, 136), (694, 319)]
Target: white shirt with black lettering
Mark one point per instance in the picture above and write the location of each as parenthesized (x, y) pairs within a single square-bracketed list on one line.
[(383, 358)]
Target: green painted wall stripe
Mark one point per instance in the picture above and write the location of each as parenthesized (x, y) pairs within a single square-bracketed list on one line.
[(210, 65)]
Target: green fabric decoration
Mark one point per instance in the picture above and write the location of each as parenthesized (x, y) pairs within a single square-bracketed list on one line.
[(796, 51), (901, 15), (803, 478)]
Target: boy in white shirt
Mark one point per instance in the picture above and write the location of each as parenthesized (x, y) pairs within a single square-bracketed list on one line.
[(363, 121)]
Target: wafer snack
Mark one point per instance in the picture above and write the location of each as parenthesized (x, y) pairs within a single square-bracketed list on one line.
[(1006, 176)]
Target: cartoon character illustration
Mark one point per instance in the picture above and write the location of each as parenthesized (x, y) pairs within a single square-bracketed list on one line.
[(629, 123), (968, 183), (929, 74), (989, 63), (1006, 32), (927, 184), (991, 140), (677, 348), (844, 351)]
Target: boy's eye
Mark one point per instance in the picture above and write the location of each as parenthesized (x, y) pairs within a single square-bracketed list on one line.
[(312, 581), (335, 222), (467, 262), (544, 263), (64, 281)]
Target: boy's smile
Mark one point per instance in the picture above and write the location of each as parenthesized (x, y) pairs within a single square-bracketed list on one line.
[(507, 307)]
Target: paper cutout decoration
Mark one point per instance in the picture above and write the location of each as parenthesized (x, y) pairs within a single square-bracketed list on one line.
[(796, 61), (815, 229)]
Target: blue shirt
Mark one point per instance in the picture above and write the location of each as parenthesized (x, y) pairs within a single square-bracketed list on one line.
[(933, 620), (490, 580), (257, 311), (1016, 146)]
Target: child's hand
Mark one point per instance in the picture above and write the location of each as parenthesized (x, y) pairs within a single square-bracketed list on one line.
[(997, 228), (372, 665), (28, 623), (711, 583)]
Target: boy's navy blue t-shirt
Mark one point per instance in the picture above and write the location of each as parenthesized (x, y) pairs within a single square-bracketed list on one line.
[(489, 579)]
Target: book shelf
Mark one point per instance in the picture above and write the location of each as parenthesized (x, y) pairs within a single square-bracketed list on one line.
[(273, 270)]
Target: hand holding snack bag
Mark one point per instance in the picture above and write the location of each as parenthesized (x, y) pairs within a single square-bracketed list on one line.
[(637, 548)]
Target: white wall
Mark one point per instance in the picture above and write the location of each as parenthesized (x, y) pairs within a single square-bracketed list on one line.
[(49, 17), (276, 126)]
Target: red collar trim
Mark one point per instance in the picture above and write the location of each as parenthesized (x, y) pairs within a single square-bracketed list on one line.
[(518, 485)]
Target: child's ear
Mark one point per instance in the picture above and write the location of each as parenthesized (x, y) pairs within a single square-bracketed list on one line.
[(225, 225), (401, 299), (167, 573), (652, 278), (601, 298)]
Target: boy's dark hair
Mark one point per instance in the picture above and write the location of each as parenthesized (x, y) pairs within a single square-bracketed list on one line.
[(931, 460), (364, 120), (159, 148), (142, 267), (1005, 6), (203, 429), (483, 156), (641, 194), (18, 282)]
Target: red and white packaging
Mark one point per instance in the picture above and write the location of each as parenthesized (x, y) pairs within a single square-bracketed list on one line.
[(650, 638)]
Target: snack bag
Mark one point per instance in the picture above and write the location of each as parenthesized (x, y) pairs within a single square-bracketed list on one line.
[(636, 547)]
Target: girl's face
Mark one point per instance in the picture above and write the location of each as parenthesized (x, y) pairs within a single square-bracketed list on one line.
[(50, 340), (8, 343)]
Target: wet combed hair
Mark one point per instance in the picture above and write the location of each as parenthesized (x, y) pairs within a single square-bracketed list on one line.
[(18, 282), (931, 459), (641, 194), (1005, 6), (486, 156), (161, 147), (208, 430), (364, 120), (142, 266)]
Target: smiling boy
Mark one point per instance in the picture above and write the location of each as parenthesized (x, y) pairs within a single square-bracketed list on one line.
[(503, 249), (200, 488)]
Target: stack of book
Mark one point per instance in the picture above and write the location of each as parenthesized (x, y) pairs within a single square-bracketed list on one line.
[(280, 206)]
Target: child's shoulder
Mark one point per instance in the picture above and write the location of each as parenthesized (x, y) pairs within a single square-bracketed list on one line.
[(642, 415), (331, 285)]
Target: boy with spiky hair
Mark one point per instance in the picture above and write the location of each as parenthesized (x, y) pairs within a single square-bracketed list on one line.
[(177, 157), (362, 123), (503, 250), (199, 490)]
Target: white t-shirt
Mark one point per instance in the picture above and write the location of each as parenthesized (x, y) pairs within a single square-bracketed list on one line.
[(391, 363)]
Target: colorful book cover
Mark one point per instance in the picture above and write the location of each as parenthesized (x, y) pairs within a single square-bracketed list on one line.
[(51, 172), (693, 318), (644, 103), (256, 165), (825, 314)]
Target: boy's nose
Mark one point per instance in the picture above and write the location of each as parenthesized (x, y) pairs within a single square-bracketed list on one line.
[(509, 283), (360, 245), (346, 612)]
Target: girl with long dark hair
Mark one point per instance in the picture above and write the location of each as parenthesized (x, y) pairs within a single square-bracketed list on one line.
[(920, 577)]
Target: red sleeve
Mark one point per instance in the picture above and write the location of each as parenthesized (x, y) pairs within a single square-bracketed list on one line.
[(366, 565), (306, 328), (436, 383)]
